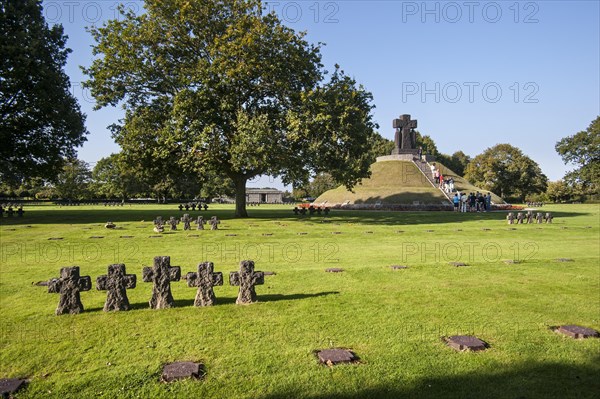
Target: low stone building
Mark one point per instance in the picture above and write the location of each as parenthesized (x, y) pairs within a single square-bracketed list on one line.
[(264, 196)]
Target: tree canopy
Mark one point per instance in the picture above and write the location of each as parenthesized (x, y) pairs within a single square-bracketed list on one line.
[(41, 122), (223, 87), (506, 171), (583, 150)]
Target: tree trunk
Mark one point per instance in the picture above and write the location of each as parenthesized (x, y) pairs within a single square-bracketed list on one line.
[(240, 197)]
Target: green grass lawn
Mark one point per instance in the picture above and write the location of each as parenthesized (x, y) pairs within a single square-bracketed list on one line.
[(393, 320)]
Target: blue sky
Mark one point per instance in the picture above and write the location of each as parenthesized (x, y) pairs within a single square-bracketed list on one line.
[(474, 74)]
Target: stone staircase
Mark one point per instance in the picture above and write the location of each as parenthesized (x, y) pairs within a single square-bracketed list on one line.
[(425, 169)]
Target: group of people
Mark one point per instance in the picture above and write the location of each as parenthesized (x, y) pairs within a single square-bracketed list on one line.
[(474, 202), (443, 183)]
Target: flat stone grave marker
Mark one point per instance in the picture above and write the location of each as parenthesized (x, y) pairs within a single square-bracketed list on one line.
[(466, 343), (429, 231), (336, 232), (486, 229), (11, 229), (398, 267), (564, 260), (586, 227), (181, 370), (512, 261), (126, 237), (205, 279), (458, 264), (155, 236), (86, 228), (458, 230), (331, 357), (194, 235), (116, 282), (565, 227), (68, 285), (55, 238), (511, 228), (267, 234), (334, 270), (246, 279), (368, 232), (96, 237), (578, 332), (8, 386), (161, 275), (302, 234), (231, 235), (269, 273)]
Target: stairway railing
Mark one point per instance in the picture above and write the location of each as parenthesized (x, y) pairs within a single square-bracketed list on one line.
[(426, 171)]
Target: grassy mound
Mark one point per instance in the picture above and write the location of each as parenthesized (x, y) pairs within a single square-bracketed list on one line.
[(397, 182)]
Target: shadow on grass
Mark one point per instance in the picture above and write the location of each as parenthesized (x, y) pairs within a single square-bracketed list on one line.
[(182, 303), (529, 380), (133, 217)]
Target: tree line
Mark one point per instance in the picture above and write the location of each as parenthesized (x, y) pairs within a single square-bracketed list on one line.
[(215, 93)]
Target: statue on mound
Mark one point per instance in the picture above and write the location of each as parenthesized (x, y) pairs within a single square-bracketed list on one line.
[(405, 138)]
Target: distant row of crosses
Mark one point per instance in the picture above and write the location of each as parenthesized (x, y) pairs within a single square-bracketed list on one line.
[(117, 281)]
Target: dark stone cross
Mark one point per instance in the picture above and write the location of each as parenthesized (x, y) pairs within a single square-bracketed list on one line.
[(161, 274), (68, 285), (116, 282), (246, 279), (205, 279), (200, 222), (405, 135), (187, 221), (214, 222), (173, 223)]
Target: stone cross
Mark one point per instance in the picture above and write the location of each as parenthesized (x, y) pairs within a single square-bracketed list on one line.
[(405, 135), (205, 280), (68, 285), (200, 222), (214, 222), (161, 274), (510, 217), (539, 217), (158, 221), (520, 217), (173, 223), (186, 220), (548, 217), (529, 217), (116, 282), (246, 279)]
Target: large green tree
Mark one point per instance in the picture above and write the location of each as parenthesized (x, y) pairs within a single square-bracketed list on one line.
[(227, 88), (505, 170), (40, 120), (583, 150), (72, 183)]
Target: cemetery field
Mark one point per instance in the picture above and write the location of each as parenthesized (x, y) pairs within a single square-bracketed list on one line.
[(393, 320)]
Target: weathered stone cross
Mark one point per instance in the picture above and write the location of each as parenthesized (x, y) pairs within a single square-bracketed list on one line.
[(404, 132), (173, 223), (68, 286), (161, 274), (205, 280), (201, 222), (214, 222), (116, 282), (186, 220), (246, 279)]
